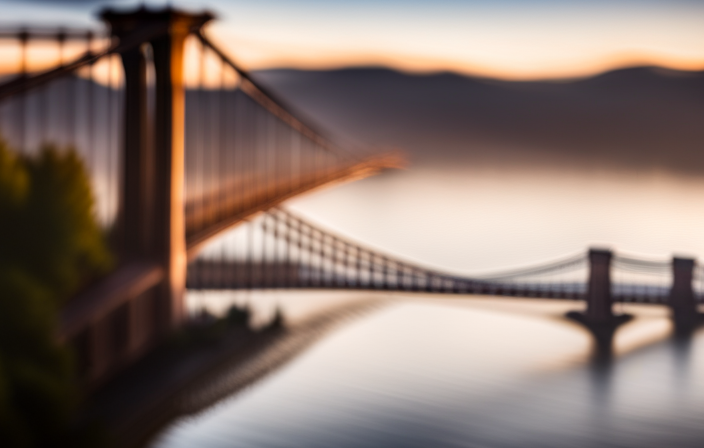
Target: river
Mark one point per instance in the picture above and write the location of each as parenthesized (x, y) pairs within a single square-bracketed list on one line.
[(428, 370)]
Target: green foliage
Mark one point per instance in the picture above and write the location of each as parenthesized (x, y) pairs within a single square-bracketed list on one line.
[(39, 391), (50, 245), (14, 182), (46, 218)]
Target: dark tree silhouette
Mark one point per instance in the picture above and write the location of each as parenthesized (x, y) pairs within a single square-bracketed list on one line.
[(50, 245)]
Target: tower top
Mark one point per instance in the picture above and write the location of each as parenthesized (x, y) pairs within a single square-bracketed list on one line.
[(151, 22)]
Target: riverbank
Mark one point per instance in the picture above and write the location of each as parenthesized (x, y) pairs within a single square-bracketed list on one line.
[(197, 368)]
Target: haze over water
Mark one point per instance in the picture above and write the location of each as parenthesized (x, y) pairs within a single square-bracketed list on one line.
[(508, 174), (478, 220)]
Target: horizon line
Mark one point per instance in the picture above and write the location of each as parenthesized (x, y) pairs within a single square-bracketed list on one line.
[(478, 74)]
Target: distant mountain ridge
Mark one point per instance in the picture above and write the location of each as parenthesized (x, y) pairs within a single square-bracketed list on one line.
[(641, 118)]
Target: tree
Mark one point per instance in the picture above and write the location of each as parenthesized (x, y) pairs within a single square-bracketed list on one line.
[(50, 246)]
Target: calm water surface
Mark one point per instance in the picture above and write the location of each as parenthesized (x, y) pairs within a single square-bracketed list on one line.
[(428, 371), (439, 372)]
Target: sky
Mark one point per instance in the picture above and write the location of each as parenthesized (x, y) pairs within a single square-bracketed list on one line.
[(509, 39)]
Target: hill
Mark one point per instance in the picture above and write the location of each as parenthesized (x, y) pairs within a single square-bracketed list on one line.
[(643, 118)]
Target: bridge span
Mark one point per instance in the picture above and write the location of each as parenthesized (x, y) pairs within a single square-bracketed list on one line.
[(282, 250)]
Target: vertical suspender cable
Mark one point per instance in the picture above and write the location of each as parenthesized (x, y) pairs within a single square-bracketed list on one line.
[(200, 138), (108, 140), (90, 89), (24, 37)]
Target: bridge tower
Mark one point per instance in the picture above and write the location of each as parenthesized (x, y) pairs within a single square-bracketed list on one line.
[(152, 204), (682, 300), (599, 317)]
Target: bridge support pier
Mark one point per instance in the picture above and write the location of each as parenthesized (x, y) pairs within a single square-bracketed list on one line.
[(599, 318), (681, 300)]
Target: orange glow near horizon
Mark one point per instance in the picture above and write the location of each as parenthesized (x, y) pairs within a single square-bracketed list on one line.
[(42, 57), (254, 60), (256, 55)]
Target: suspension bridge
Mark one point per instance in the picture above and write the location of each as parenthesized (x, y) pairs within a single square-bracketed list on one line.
[(292, 253), (191, 160)]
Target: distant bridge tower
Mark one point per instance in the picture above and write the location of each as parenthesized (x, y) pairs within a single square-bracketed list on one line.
[(599, 300), (599, 317), (682, 300)]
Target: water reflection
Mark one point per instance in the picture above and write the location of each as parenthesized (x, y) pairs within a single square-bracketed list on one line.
[(467, 373), (213, 359)]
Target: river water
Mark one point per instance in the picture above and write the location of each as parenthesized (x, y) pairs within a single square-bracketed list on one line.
[(434, 371), (431, 371)]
